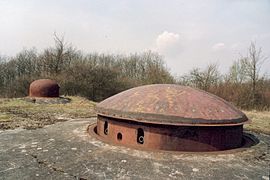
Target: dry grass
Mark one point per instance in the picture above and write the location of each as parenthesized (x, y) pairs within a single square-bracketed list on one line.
[(20, 113), (260, 121)]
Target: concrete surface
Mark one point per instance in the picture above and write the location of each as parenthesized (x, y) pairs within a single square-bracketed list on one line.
[(65, 151)]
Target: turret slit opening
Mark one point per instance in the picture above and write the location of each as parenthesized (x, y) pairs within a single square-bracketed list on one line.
[(140, 136), (106, 128)]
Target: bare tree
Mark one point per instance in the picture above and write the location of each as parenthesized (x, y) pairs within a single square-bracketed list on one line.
[(59, 57), (237, 74), (252, 65), (204, 79)]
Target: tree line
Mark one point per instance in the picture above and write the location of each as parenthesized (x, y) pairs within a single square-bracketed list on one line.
[(244, 85), (97, 76)]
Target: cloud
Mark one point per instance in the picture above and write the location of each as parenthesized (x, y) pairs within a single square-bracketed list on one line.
[(166, 39), (218, 46), (167, 42)]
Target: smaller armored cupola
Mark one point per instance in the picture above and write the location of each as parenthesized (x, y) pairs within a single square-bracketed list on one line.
[(44, 88)]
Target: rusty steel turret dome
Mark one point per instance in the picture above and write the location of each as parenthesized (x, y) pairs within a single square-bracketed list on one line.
[(171, 104), (44, 88), (170, 117)]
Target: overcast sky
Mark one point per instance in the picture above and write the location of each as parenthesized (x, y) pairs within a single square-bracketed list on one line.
[(187, 33)]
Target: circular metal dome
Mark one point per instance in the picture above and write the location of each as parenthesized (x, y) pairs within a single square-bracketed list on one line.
[(172, 105), (44, 88)]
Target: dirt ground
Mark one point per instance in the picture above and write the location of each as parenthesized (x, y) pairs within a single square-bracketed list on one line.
[(20, 112)]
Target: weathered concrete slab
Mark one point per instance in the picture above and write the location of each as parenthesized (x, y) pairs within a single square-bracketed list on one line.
[(65, 151)]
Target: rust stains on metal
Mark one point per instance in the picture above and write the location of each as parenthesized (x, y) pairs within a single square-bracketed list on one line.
[(171, 104), (44, 88), (170, 117), (170, 137)]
